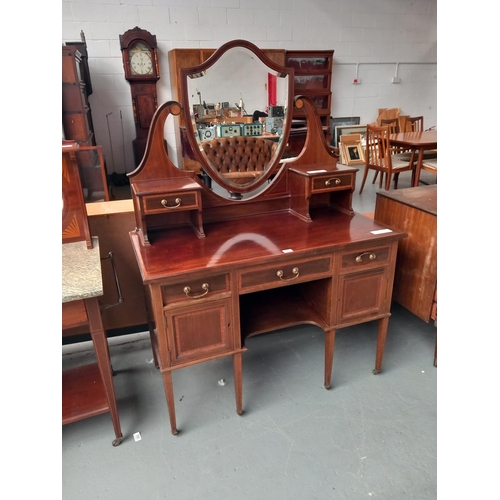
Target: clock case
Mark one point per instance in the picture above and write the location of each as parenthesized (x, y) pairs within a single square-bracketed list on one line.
[(142, 87)]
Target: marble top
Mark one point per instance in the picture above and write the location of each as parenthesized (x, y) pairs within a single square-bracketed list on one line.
[(81, 271)]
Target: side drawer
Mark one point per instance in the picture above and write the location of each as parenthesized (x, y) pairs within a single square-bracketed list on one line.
[(191, 289), (171, 202), (331, 182), (284, 274), (365, 258)]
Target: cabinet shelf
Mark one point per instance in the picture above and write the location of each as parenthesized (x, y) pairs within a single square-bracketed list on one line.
[(313, 78), (84, 394), (279, 308)]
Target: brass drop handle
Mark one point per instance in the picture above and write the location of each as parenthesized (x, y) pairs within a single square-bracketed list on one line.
[(295, 271), (177, 201), (187, 291), (371, 256), (334, 179)]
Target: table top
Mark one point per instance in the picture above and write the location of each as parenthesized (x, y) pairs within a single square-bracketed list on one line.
[(253, 241), (428, 138), (81, 271), (422, 197)]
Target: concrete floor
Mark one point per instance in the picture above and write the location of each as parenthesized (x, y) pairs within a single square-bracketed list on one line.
[(369, 436)]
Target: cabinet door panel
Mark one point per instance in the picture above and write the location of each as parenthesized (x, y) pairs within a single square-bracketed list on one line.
[(199, 331), (363, 295)]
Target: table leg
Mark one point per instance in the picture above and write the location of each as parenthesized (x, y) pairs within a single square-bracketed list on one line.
[(169, 393), (100, 342), (238, 382), (381, 336), (418, 168), (329, 348)]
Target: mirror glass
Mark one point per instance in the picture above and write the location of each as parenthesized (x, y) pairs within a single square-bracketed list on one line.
[(239, 111)]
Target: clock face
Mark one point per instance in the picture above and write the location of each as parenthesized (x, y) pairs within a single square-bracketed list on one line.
[(141, 60)]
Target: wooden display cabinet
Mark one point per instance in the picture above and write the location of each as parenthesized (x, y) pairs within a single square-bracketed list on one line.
[(313, 78)]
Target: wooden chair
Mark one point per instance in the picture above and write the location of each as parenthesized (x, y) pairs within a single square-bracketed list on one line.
[(379, 157), (416, 123), (392, 123), (404, 155)]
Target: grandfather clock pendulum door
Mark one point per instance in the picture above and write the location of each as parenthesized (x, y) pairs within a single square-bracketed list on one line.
[(140, 62)]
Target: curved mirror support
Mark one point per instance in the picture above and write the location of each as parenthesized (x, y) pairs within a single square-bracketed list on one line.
[(239, 107)]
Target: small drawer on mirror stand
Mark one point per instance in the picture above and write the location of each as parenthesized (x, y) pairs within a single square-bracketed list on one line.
[(171, 202), (321, 187)]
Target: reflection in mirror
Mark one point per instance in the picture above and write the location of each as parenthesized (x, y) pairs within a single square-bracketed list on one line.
[(237, 105)]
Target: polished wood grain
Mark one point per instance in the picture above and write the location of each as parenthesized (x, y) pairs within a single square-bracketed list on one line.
[(337, 285), (414, 211)]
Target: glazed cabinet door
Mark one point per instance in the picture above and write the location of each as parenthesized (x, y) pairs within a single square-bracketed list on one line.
[(200, 331)]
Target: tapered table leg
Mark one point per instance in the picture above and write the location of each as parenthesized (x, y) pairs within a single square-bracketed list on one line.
[(238, 382), (381, 336), (169, 392), (329, 347), (100, 342)]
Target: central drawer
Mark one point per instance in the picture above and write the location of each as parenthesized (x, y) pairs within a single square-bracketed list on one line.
[(284, 274)]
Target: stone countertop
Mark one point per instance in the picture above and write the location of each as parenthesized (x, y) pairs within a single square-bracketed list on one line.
[(81, 271)]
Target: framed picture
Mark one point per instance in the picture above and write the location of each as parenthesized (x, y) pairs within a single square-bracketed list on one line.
[(339, 122), (353, 154), (341, 130)]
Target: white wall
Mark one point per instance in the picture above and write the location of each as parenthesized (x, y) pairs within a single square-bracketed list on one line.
[(369, 38)]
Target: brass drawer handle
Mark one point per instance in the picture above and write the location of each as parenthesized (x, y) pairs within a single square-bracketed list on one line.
[(165, 203), (334, 179), (187, 291), (371, 256), (295, 271)]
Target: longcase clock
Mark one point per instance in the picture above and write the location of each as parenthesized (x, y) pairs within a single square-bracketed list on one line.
[(140, 62)]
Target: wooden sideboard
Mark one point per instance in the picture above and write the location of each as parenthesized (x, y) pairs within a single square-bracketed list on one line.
[(414, 211)]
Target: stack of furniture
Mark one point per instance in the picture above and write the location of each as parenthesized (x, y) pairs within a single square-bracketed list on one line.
[(77, 120)]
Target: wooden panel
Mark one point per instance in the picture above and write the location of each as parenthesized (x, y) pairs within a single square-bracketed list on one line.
[(199, 331), (112, 231), (362, 294)]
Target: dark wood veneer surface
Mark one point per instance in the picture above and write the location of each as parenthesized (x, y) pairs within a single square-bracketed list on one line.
[(248, 241)]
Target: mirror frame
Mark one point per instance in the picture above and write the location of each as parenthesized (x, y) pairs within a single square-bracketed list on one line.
[(271, 169)]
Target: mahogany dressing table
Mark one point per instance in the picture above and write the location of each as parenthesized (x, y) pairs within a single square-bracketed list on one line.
[(293, 253)]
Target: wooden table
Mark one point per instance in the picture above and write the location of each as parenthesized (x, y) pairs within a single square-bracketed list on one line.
[(87, 390), (416, 141)]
